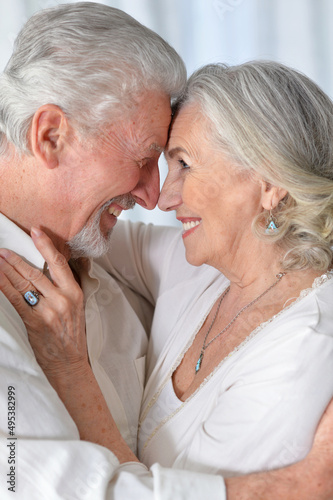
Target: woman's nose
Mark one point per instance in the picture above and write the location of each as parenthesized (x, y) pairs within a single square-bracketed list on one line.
[(170, 196)]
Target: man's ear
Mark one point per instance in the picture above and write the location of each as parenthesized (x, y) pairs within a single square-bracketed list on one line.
[(271, 195), (48, 134)]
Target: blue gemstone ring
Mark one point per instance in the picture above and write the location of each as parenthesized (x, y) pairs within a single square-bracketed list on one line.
[(31, 297)]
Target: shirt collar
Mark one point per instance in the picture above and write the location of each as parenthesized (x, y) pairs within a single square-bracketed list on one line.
[(15, 239)]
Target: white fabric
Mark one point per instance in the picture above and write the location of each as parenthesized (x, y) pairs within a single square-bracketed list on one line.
[(50, 462), (257, 412), (260, 408), (114, 323), (49, 459), (117, 344)]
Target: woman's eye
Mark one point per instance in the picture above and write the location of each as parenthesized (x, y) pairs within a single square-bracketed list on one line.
[(183, 164)]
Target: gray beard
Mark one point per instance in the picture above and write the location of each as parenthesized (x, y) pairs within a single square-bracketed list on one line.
[(90, 241)]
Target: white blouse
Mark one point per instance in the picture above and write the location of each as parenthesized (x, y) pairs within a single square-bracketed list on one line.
[(259, 408)]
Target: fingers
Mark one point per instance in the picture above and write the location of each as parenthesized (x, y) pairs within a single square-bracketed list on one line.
[(21, 275), (21, 284), (14, 296), (60, 271)]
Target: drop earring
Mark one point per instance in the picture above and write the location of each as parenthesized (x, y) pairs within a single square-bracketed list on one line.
[(271, 226)]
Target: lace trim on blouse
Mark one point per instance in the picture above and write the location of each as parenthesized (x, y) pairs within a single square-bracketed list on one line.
[(319, 281)]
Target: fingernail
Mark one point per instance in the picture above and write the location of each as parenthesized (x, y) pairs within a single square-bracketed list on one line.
[(36, 232)]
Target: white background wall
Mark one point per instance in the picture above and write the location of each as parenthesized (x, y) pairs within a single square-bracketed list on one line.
[(295, 32)]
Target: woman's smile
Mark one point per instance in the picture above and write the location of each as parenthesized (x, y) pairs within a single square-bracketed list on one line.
[(190, 224), (202, 181)]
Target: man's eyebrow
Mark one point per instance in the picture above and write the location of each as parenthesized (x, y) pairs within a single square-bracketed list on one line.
[(170, 153), (156, 147)]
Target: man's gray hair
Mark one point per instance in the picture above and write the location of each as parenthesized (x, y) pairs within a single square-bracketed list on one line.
[(87, 58), (275, 122)]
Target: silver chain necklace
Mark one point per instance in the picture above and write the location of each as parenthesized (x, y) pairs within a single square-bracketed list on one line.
[(204, 346)]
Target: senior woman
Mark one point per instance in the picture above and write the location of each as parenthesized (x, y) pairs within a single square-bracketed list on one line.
[(240, 361)]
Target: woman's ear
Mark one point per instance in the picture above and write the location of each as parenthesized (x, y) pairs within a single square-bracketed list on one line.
[(48, 134), (271, 195)]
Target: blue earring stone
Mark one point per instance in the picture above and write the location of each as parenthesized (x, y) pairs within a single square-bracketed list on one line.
[(271, 228)]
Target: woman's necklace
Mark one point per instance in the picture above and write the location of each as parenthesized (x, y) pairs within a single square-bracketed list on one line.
[(204, 345)]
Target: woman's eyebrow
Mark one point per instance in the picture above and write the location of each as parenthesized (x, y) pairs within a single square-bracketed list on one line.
[(170, 153)]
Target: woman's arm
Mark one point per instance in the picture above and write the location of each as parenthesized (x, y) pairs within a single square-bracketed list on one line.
[(56, 330), (81, 395)]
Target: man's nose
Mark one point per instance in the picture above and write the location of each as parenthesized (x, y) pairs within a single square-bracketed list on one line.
[(147, 191)]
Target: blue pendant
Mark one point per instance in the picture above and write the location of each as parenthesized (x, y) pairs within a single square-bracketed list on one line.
[(271, 228), (198, 365)]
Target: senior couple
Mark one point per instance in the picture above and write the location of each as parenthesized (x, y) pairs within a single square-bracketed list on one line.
[(227, 326)]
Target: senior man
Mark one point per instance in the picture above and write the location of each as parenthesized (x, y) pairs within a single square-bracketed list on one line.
[(84, 115)]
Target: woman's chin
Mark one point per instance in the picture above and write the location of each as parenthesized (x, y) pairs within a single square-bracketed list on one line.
[(194, 258)]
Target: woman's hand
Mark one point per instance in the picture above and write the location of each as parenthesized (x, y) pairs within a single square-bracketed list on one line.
[(56, 329), (56, 325)]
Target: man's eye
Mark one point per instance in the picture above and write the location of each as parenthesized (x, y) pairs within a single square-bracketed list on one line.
[(183, 164), (148, 161)]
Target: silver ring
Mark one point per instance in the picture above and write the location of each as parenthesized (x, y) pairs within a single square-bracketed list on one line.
[(31, 297)]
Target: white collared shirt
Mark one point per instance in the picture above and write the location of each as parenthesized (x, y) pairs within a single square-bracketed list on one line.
[(41, 455)]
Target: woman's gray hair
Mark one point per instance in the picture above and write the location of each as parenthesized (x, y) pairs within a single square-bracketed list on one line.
[(275, 122), (87, 58)]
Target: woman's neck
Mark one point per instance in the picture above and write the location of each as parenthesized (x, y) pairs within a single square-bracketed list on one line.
[(256, 271)]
